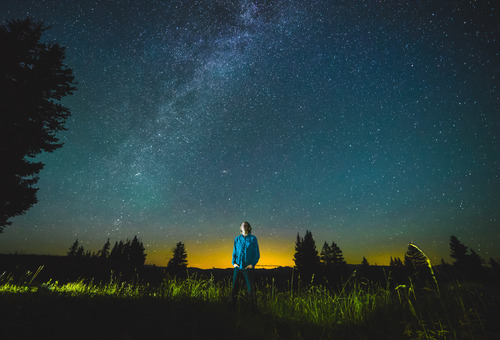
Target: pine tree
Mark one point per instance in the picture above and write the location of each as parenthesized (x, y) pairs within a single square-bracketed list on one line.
[(493, 263), (104, 252), (79, 252), (458, 252), (116, 257), (137, 257), (364, 262), (298, 258), (414, 258), (326, 256), (309, 252), (398, 262), (178, 263), (33, 80), (475, 261), (338, 257), (72, 250), (306, 256)]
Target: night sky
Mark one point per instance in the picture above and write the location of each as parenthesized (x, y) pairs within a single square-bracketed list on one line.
[(369, 123)]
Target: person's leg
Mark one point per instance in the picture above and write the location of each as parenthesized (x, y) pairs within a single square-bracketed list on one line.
[(234, 288), (248, 274)]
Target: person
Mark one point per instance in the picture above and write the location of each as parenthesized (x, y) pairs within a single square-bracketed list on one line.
[(245, 256)]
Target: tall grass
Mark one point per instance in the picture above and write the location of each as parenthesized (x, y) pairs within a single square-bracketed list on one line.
[(450, 311)]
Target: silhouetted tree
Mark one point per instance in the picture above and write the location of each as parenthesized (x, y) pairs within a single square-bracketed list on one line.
[(338, 256), (332, 262), (299, 253), (137, 257), (33, 80), (418, 267), (495, 269), (494, 264), (73, 249), (104, 252), (396, 262), (398, 271), (475, 260), (127, 256), (178, 263), (331, 256), (79, 252), (306, 256), (414, 259), (326, 256), (458, 252), (116, 257), (364, 269)]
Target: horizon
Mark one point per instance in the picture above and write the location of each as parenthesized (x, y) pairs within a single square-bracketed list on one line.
[(161, 259)]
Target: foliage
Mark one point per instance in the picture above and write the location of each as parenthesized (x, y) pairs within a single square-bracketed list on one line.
[(359, 310), (126, 256), (33, 80), (396, 262), (73, 249), (458, 251), (414, 259), (331, 256), (104, 252), (306, 256), (470, 265), (178, 263)]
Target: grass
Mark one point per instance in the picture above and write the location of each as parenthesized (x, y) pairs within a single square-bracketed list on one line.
[(198, 307)]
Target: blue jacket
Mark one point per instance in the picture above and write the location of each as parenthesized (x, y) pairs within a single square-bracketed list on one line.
[(246, 251)]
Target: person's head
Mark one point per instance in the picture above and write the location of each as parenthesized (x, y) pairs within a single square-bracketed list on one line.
[(245, 228)]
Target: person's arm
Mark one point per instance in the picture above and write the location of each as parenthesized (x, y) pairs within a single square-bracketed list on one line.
[(234, 254), (256, 253)]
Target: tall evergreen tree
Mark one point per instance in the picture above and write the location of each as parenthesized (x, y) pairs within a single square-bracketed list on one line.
[(178, 263), (104, 252), (306, 256), (73, 249), (326, 256), (396, 262), (337, 255), (475, 261), (458, 251), (33, 80), (414, 258), (137, 257), (79, 252), (331, 256), (298, 256), (116, 257)]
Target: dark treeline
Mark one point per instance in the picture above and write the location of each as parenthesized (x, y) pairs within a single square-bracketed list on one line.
[(128, 254), (329, 266), (125, 261)]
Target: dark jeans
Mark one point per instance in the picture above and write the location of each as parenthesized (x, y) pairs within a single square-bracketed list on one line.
[(248, 275)]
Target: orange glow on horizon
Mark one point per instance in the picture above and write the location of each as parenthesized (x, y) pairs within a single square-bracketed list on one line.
[(221, 258)]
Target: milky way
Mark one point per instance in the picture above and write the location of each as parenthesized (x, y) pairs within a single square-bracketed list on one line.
[(372, 124)]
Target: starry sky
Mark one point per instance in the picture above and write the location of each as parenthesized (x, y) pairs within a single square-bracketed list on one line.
[(369, 123)]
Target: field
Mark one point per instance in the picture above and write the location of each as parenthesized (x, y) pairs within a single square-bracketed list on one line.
[(197, 306)]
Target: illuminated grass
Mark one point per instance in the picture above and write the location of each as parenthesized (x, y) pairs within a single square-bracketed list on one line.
[(430, 313)]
